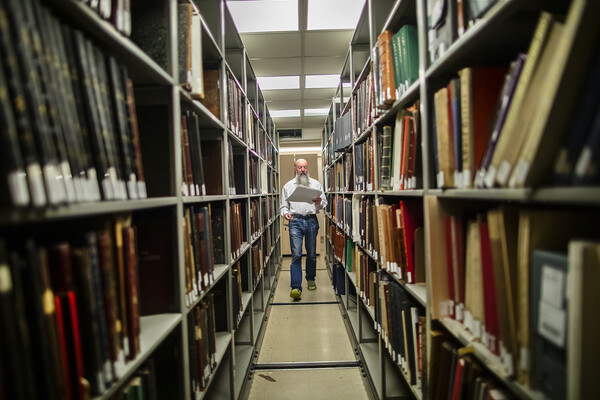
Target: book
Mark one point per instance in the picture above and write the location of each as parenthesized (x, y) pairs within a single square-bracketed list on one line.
[(568, 62), (386, 69), (496, 172), (582, 344), (480, 90)]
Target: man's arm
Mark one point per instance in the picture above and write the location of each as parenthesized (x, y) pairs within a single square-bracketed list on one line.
[(320, 202), (284, 207)]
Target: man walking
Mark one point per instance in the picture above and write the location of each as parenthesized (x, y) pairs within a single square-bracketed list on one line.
[(303, 224)]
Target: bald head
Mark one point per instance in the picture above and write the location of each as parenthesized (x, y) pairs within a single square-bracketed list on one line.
[(301, 170)]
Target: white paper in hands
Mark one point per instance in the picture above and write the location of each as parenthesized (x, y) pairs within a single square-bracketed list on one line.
[(303, 194)]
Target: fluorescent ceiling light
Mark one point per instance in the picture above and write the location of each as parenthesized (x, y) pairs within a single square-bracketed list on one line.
[(311, 112), (333, 14), (321, 81), (300, 149), (278, 82), (284, 113), (346, 99), (264, 15)]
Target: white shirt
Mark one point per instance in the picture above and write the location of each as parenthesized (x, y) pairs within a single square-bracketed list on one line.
[(294, 207)]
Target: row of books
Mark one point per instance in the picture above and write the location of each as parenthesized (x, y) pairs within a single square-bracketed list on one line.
[(238, 227), (338, 242), (341, 208), (363, 220), (340, 176), (490, 276), (235, 100), (70, 313), (362, 105), (338, 279), (449, 19), (203, 231), (342, 132), (455, 373), (481, 116), (399, 152), (257, 261), (395, 64), (402, 324), (255, 221), (70, 129), (463, 111), (364, 164), (203, 324), (365, 269), (118, 13), (398, 237)]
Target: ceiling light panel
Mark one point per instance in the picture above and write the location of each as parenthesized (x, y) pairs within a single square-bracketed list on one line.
[(333, 14), (312, 112), (264, 15), (278, 82), (284, 113), (321, 81)]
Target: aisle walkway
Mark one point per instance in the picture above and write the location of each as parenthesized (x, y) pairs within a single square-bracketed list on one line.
[(306, 352)]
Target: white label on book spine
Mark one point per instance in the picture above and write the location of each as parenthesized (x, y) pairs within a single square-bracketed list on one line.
[(132, 187), (203, 190), (5, 278), (467, 180), (440, 179), (184, 189), (552, 323), (36, 185), (583, 163), (55, 191), (107, 371), (490, 177), (458, 179), (65, 170), (477, 328), (517, 179), (92, 185), (553, 286), (17, 184), (468, 322), (142, 190), (524, 359), (414, 182), (108, 189), (195, 286), (80, 196), (206, 281), (503, 173), (458, 312)]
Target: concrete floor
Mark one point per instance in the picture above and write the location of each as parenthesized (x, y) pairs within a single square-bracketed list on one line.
[(305, 333)]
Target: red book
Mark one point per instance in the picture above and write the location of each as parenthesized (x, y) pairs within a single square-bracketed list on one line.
[(489, 290), (77, 348), (458, 379), (62, 340), (411, 220)]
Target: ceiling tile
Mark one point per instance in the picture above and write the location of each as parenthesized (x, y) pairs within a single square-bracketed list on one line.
[(273, 45), (323, 65), (277, 66), (285, 105), (327, 43), (317, 103), (319, 94), (272, 96)]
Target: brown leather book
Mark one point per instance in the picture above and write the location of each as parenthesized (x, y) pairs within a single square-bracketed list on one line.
[(212, 94), (131, 285)]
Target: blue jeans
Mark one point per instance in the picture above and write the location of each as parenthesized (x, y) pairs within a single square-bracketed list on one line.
[(303, 228)]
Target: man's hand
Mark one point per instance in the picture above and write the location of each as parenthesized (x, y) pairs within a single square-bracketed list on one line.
[(317, 200), (288, 216)]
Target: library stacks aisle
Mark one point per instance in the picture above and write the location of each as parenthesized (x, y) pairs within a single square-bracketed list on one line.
[(140, 235)]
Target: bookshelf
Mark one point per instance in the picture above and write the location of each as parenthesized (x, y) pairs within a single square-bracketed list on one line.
[(502, 228), (157, 291)]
